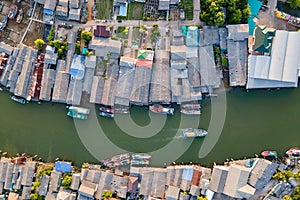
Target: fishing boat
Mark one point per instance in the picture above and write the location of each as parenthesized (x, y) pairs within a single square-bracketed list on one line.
[(20, 16), (78, 112), (157, 108), (120, 157), (1, 89), (105, 114), (293, 152), (269, 154), (138, 156), (3, 23), (193, 133), (13, 12), (190, 109), (140, 162), (18, 99), (106, 109)]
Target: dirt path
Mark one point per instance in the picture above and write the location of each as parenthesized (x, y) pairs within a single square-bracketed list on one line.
[(90, 9)]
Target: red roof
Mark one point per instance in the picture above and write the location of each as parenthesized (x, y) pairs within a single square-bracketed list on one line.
[(101, 31), (144, 63)]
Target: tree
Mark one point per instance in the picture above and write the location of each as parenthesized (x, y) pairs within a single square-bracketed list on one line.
[(235, 17), (77, 48), (34, 196), (50, 36), (201, 198), (39, 43), (106, 194), (67, 181), (57, 44), (294, 4), (155, 33), (45, 171), (286, 197), (86, 36), (60, 52)]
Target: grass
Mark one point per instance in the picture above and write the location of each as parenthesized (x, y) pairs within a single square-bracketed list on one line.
[(188, 9), (135, 11), (104, 9), (136, 36), (121, 33)]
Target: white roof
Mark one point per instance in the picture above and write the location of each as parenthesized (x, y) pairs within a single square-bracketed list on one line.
[(260, 65), (292, 58)]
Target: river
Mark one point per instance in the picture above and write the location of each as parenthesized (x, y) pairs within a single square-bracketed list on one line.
[(255, 121)]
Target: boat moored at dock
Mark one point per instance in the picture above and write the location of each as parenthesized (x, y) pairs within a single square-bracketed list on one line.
[(18, 99), (193, 133), (20, 16), (78, 112), (191, 109), (140, 162), (139, 156), (293, 152), (269, 154), (106, 112), (157, 108)]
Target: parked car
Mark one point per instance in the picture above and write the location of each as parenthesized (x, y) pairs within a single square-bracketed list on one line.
[(119, 21), (66, 25)]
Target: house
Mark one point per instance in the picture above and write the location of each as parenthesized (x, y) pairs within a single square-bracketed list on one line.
[(263, 37), (43, 188), (104, 184), (63, 3), (158, 184), (26, 191), (192, 38), (50, 57), (281, 68), (61, 166), (236, 182), (172, 193), (103, 46), (75, 182), (97, 89), (87, 189), (54, 181), (62, 12), (49, 7), (77, 67), (48, 80), (132, 184), (74, 4), (6, 48), (61, 86), (218, 179), (164, 5), (102, 31), (262, 173), (237, 44), (120, 7), (74, 14)]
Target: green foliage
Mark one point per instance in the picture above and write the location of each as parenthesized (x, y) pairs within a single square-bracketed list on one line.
[(39, 43), (35, 185), (294, 4), (224, 62), (155, 33), (89, 53), (67, 181), (106, 194), (86, 36), (188, 7), (212, 12), (79, 31), (283, 175), (34, 196), (85, 165), (60, 52), (77, 48), (236, 17), (286, 197), (45, 171), (114, 37), (50, 36), (296, 194), (135, 11), (201, 198)]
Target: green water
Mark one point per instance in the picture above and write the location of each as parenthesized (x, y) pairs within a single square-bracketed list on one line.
[(285, 7), (255, 121)]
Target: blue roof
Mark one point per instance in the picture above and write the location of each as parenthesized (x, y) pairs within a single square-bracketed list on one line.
[(84, 51), (77, 67), (62, 166), (254, 8), (48, 11), (123, 10), (192, 37), (187, 174)]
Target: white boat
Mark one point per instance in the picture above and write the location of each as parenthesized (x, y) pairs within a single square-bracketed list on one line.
[(139, 156), (193, 133), (140, 162)]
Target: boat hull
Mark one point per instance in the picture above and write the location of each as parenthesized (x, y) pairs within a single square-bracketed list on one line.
[(193, 133)]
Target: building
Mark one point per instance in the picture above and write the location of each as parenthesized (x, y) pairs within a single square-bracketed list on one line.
[(192, 38), (263, 37), (48, 81), (163, 5), (236, 182), (103, 46), (62, 12), (49, 9), (281, 68), (120, 7), (237, 46), (262, 173), (74, 14), (77, 67), (102, 31), (74, 4), (61, 86)]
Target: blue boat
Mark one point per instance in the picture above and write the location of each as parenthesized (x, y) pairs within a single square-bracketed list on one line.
[(13, 12), (3, 23), (18, 99)]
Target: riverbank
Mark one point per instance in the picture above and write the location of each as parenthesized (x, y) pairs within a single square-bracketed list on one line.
[(23, 176)]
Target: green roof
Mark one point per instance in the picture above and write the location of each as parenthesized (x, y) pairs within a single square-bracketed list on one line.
[(142, 54), (263, 39)]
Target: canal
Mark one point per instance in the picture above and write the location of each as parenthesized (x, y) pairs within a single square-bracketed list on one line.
[(255, 121)]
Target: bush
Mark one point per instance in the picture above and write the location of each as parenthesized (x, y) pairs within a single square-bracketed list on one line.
[(45, 171), (67, 181), (50, 36), (39, 43)]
